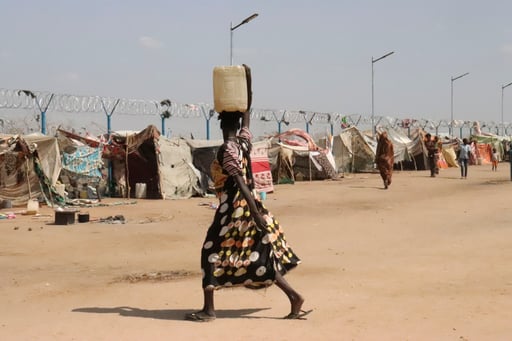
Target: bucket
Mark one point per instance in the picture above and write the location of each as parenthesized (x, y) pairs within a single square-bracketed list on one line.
[(230, 88), (65, 217), (83, 217), (32, 206), (140, 190)]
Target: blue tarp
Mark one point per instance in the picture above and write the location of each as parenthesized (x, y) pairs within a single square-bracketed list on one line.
[(85, 161)]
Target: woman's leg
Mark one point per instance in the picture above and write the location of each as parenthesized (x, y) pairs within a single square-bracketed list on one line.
[(208, 306), (208, 312), (295, 298)]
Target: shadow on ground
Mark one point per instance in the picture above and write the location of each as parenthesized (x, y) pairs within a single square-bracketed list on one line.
[(170, 314)]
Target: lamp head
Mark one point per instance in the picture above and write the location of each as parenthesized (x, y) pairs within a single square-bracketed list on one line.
[(246, 20)]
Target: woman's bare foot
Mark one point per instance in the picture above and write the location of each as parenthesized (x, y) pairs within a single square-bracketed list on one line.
[(200, 316)]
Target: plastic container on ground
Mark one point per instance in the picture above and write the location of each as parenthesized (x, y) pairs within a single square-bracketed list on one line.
[(230, 88), (32, 206), (140, 190)]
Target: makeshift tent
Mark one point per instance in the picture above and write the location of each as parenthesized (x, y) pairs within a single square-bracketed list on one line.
[(407, 150), (145, 164), (29, 168), (82, 167), (203, 153), (134, 160), (494, 141), (353, 152), (295, 156), (179, 177), (146, 160), (281, 164)]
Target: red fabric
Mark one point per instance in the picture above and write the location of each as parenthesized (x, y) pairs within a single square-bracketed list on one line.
[(261, 170), (260, 166)]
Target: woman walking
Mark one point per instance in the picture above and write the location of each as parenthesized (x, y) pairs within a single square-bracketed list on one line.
[(245, 245), (385, 158)]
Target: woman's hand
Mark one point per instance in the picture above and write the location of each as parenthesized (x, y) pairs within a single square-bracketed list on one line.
[(260, 221)]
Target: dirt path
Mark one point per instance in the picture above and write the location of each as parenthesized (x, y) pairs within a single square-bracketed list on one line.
[(428, 259)]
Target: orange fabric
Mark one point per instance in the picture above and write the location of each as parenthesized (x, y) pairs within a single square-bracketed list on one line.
[(484, 152)]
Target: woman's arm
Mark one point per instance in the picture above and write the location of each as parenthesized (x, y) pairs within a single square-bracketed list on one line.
[(246, 192), (246, 119)]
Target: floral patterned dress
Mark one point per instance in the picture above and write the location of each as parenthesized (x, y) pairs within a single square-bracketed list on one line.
[(235, 251)]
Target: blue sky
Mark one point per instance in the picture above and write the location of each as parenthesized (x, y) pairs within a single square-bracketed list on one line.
[(304, 55)]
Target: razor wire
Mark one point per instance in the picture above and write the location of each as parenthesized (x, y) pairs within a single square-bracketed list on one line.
[(19, 99)]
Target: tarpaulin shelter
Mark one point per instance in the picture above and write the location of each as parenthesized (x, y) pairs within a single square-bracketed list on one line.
[(82, 166), (295, 156), (203, 153), (134, 160), (353, 151), (410, 151), (162, 166), (29, 168), (179, 178), (494, 141)]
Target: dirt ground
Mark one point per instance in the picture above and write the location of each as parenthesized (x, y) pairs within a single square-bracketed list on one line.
[(427, 259)]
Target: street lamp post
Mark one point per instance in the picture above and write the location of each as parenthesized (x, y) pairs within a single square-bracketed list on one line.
[(232, 28), (451, 101), (373, 114), (502, 123)]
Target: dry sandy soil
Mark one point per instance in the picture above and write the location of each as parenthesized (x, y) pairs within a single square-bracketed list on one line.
[(428, 259)]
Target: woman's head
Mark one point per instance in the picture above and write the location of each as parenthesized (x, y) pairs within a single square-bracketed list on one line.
[(230, 120)]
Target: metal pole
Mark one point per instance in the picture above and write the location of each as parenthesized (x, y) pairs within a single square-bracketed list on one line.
[(43, 122), (110, 182), (451, 116), (207, 128), (231, 44), (451, 110), (373, 123), (231, 29), (373, 113), (502, 125), (502, 96), (43, 113)]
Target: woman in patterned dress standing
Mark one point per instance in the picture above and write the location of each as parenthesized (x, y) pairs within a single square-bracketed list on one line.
[(244, 245)]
